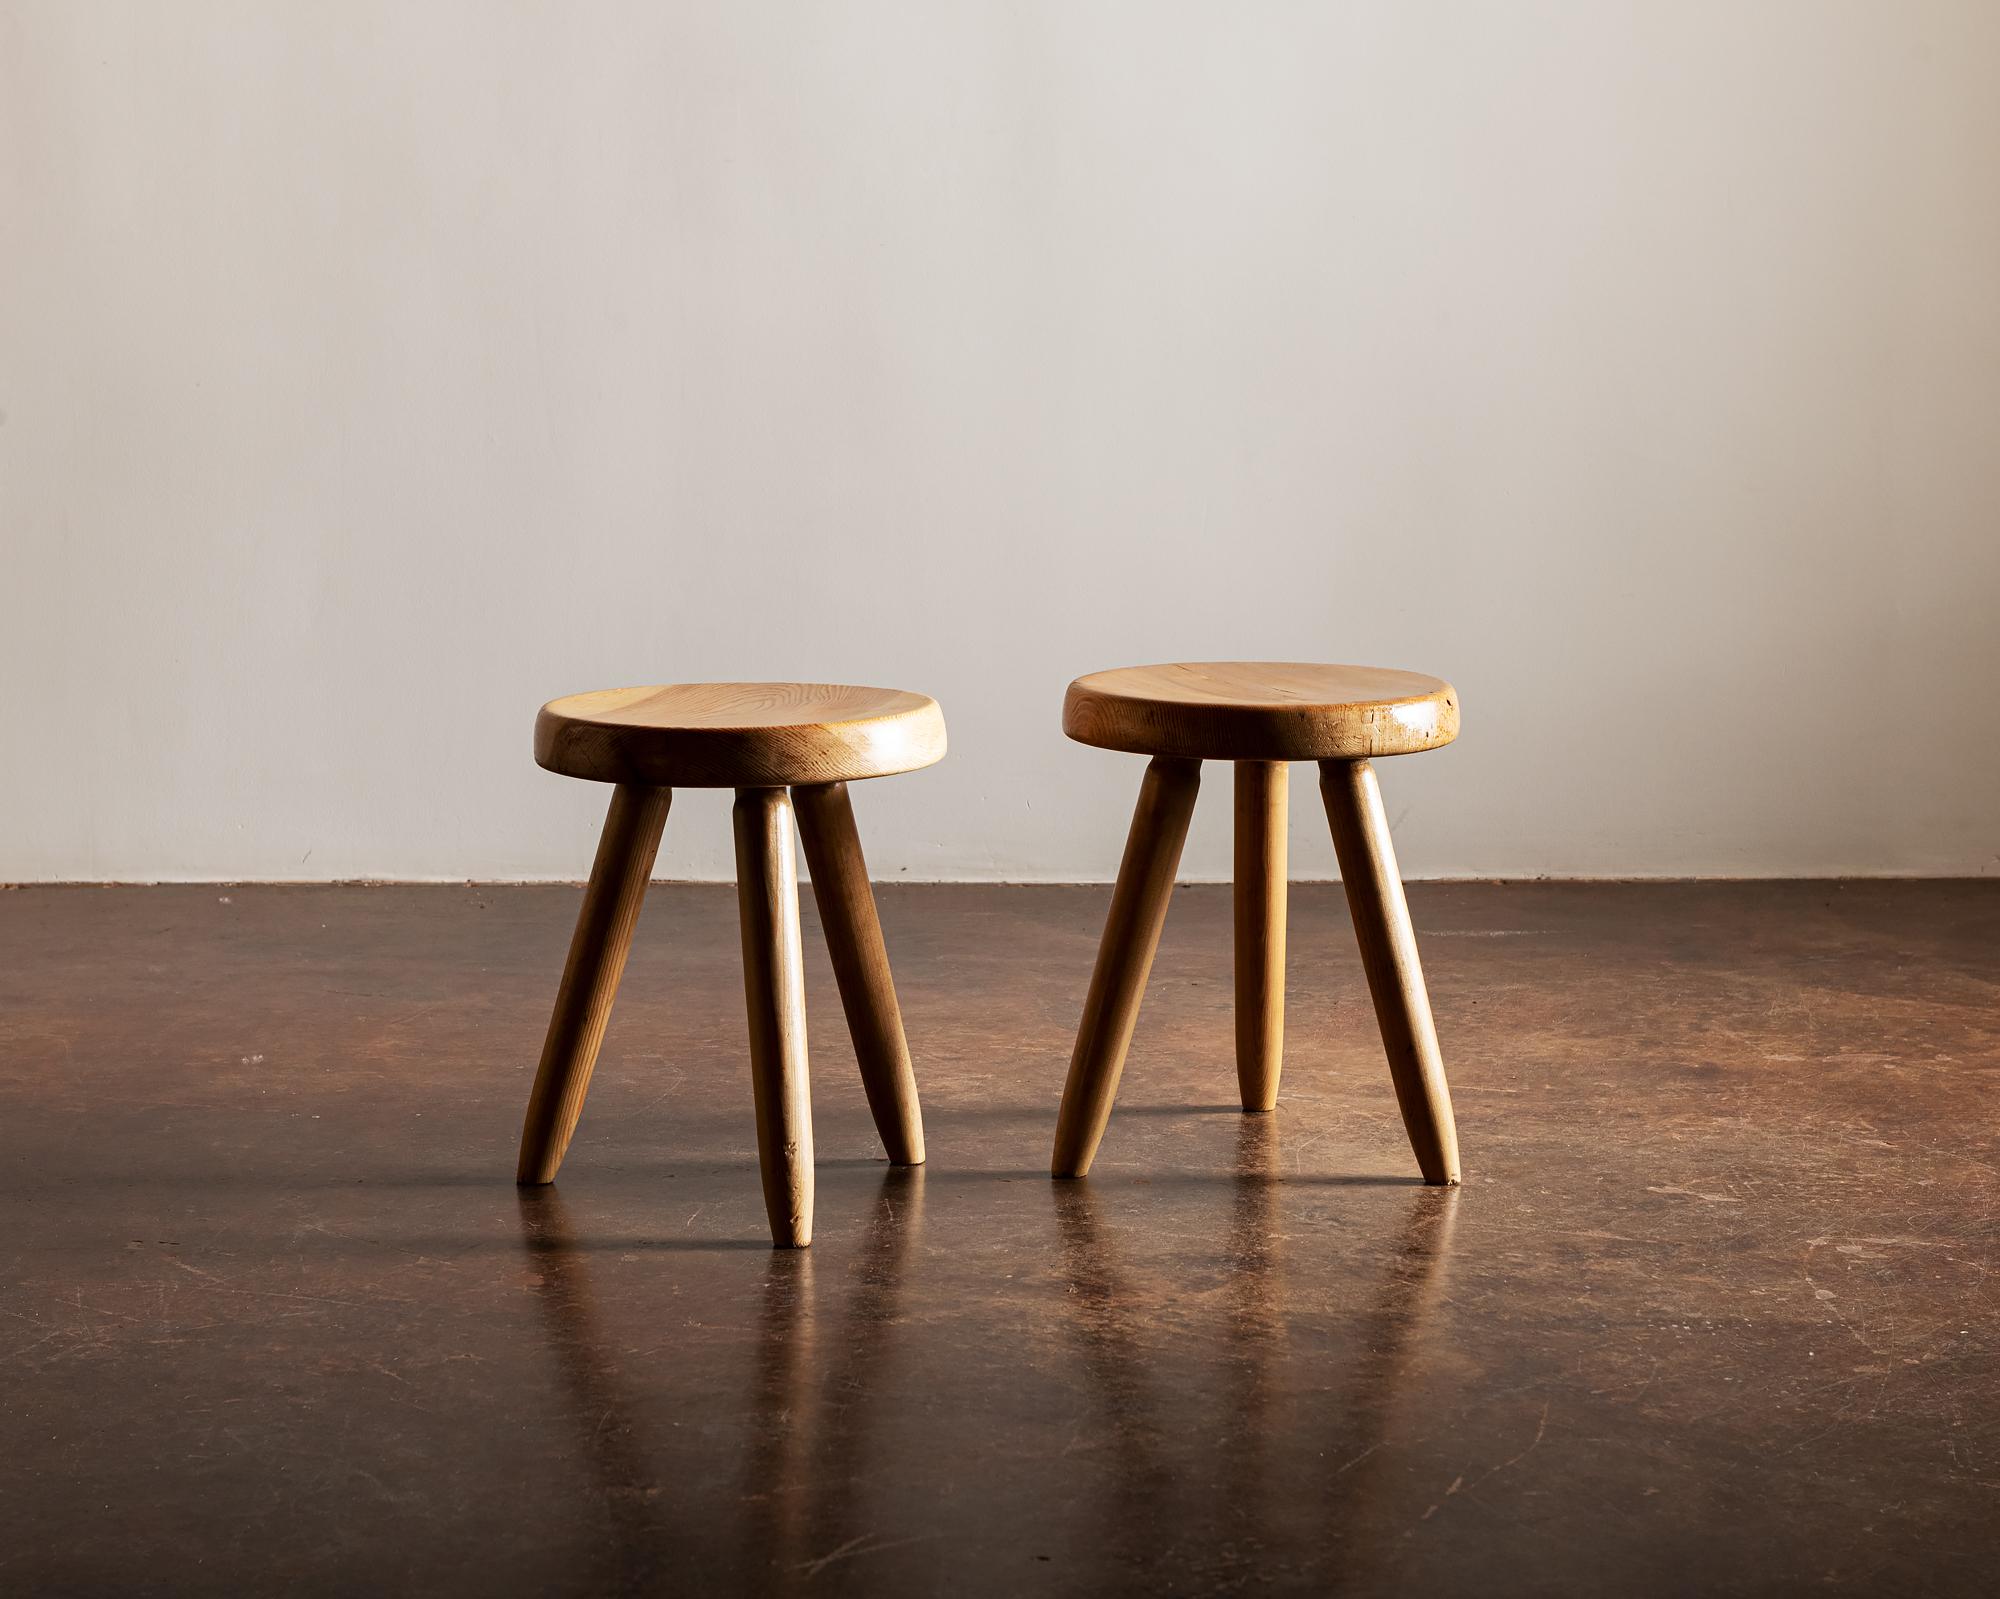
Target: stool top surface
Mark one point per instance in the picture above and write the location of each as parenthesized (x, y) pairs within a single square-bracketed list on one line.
[(1261, 710), (739, 735)]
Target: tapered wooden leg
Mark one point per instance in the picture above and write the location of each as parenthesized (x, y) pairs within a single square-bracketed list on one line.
[(1389, 956), (774, 991), (861, 966), (1124, 957), (597, 950), (1261, 801)]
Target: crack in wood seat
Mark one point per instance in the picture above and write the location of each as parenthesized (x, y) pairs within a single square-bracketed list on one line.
[(1261, 711), (739, 735)]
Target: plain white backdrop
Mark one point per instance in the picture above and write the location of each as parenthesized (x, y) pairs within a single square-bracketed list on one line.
[(372, 372)]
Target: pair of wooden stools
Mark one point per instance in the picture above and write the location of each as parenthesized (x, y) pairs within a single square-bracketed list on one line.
[(792, 748)]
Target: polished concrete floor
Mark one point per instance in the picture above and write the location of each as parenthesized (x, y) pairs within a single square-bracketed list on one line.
[(1714, 1311)]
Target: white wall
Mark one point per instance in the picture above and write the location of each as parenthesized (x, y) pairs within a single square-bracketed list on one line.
[(373, 372)]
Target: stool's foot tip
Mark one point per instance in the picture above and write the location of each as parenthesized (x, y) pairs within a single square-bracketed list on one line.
[(1068, 1160), (796, 1234)]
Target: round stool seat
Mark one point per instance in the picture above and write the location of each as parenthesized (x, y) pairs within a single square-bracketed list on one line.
[(738, 735), (1261, 711)]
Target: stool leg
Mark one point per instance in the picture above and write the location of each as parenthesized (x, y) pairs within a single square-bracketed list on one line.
[(861, 965), (597, 951), (1124, 956), (774, 992), (1262, 797), (1389, 956)]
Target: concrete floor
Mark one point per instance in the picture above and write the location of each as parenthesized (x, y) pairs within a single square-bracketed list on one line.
[(1714, 1311)]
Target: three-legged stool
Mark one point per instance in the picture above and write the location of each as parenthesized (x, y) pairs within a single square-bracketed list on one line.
[(783, 747), (1260, 715)]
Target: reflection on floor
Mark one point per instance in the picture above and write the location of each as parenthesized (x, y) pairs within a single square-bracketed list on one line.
[(1713, 1311)]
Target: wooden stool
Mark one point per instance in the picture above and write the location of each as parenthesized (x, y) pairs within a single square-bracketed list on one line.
[(1260, 714), (761, 739)]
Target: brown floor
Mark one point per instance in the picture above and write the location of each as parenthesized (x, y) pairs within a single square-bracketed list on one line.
[(1714, 1311)]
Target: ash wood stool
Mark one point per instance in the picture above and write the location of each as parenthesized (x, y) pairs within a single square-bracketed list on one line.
[(784, 748), (1260, 715)]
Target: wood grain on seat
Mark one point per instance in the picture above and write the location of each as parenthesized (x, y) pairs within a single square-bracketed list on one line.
[(739, 735), (1261, 711)]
